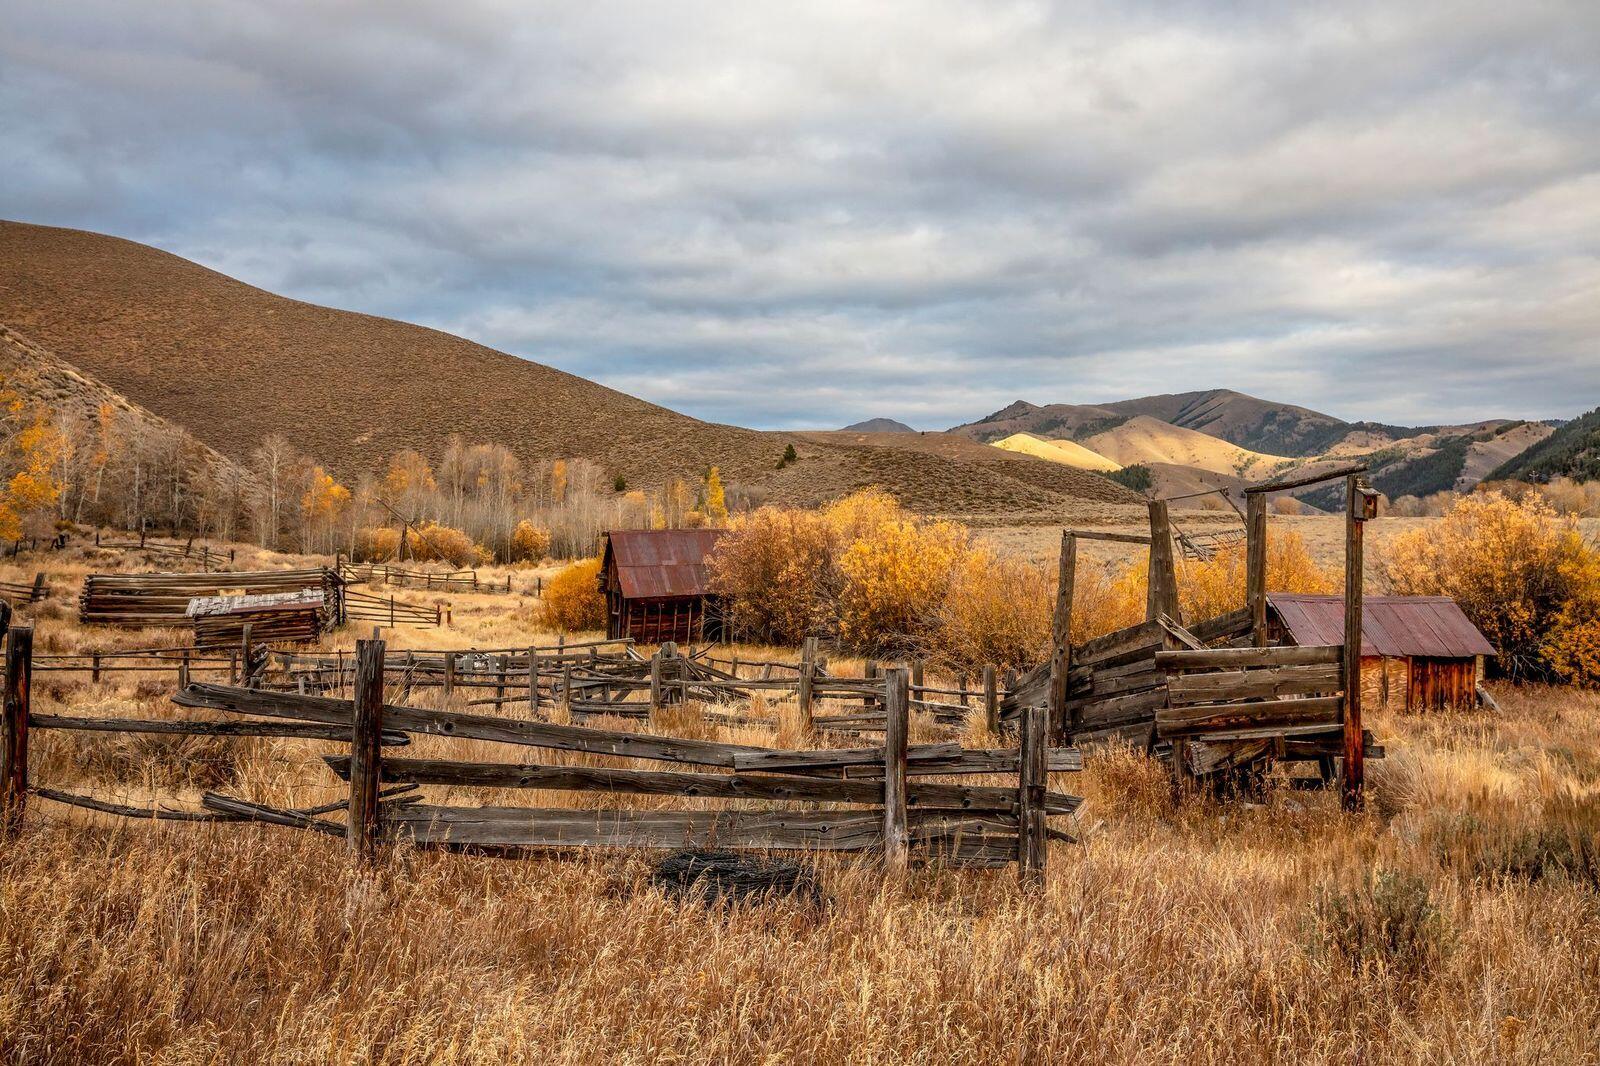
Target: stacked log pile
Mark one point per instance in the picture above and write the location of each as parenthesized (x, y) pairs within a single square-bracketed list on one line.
[(163, 599), (275, 617)]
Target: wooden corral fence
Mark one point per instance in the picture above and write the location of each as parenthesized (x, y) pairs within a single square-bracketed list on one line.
[(388, 611), (1211, 694), (609, 677), (454, 581), (182, 661), (163, 599), (187, 550), (883, 806), (17, 594)]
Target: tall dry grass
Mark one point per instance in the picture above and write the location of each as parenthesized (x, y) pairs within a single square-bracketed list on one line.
[(1458, 919)]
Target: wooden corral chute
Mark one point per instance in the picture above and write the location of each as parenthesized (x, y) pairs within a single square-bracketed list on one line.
[(1213, 694)]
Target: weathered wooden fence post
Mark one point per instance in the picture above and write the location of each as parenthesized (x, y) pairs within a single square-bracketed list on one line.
[(449, 675), (1163, 591), (655, 681), (1061, 636), (533, 680), (1031, 782), (1255, 574), (247, 669), (897, 728), (917, 684), (991, 699), (366, 752), (500, 680), (14, 728), (808, 659), (1361, 503)]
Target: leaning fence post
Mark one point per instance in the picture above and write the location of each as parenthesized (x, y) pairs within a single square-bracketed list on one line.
[(366, 753), (897, 726), (991, 700), (14, 728), (1031, 782)]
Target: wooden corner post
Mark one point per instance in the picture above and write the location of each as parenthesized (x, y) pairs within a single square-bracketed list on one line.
[(361, 832), (1031, 785), (1361, 503), (1061, 637), (1163, 590), (897, 728), (1255, 533), (14, 728)]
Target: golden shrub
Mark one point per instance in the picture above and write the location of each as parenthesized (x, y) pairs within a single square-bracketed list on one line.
[(529, 543), (1106, 600), (775, 569), (1522, 573), (995, 610), (896, 576), (573, 601), (432, 542), (379, 544)]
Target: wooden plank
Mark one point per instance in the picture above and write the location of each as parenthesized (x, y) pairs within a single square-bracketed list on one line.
[(834, 758), (1301, 481), (1222, 627), (296, 730), (1061, 636), (795, 789), (1145, 634), (1118, 538), (1205, 718), (1241, 658), (475, 727), (1257, 683), (962, 835)]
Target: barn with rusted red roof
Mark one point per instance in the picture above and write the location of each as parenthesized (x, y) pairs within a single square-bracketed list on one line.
[(1420, 649), (657, 585)]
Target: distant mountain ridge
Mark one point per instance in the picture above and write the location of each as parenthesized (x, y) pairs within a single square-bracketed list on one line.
[(1571, 450), (1250, 437), (878, 425)]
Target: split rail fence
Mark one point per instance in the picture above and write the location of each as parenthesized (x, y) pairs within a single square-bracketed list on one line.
[(17, 594), (454, 581), (884, 805), (186, 550)]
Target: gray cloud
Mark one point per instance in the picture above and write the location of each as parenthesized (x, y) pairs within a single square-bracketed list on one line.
[(784, 217)]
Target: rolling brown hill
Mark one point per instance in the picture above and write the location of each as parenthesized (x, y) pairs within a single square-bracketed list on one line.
[(232, 363)]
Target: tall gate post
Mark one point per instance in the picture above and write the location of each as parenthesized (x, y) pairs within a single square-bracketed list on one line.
[(1361, 503), (897, 727), (14, 728), (1031, 783), (366, 753)]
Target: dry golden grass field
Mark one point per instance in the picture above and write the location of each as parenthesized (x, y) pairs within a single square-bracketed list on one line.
[(1458, 919)]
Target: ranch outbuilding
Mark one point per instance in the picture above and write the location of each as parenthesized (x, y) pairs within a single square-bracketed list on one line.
[(657, 585), (1422, 652)]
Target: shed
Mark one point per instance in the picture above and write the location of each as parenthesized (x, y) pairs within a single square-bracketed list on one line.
[(657, 585), (1437, 648)]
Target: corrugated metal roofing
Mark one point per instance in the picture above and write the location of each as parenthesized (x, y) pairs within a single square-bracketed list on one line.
[(661, 563), (1431, 627)]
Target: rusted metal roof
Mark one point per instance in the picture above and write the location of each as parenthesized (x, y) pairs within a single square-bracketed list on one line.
[(654, 564), (1430, 627)]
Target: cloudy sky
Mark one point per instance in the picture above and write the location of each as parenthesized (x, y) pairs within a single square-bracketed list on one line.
[(805, 214)]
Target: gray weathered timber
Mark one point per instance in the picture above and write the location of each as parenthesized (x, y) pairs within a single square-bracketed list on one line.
[(1256, 683), (298, 730), (980, 836), (366, 756), (1241, 658), (897, 719), (14, 727), (697, 786), (1206, 718)]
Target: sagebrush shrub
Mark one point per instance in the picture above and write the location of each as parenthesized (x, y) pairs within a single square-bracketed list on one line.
[(573, 600), (1523, 574), (1387, 921)]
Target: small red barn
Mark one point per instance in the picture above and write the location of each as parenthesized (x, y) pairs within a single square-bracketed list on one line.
[(1439, 649), (657, 585)]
